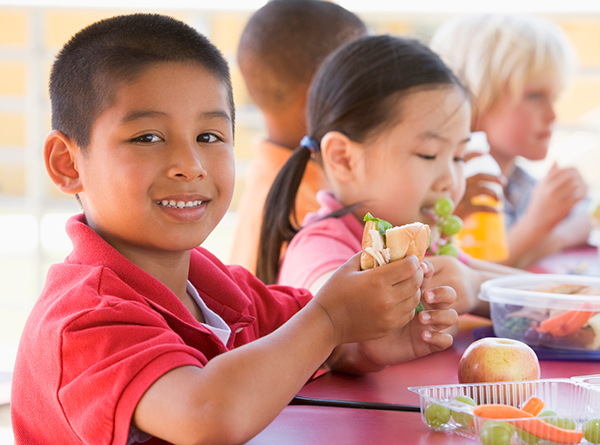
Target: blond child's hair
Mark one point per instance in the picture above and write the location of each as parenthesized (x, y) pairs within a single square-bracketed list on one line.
[(495, 54)]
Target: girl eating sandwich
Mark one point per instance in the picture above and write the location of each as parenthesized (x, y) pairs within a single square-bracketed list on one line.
[(389, 123)]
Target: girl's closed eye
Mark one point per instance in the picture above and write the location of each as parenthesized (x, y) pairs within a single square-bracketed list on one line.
[(209, 138), (427, 156)]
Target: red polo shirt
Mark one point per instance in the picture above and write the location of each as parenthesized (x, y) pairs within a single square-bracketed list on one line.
[(103, 330)]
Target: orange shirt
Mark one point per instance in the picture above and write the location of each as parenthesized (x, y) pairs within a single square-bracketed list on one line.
[(268, 160)]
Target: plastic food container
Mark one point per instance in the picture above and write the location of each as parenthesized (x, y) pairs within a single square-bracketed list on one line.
[(575, 403), (521, 308)]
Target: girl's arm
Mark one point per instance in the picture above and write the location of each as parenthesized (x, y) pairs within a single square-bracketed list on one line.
[(238, 393)]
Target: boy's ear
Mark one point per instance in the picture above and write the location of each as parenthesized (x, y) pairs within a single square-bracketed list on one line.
[(60, 153), (337, 155)]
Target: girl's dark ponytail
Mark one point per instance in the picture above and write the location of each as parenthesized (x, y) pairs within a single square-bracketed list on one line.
[(280, 223)]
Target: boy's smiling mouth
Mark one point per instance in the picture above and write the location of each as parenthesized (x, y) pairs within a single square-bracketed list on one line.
[(179, 204)]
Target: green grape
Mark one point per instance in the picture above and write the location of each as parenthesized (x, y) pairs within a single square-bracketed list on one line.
[(448, 249), (443, 207), (452, 225), (562, 422), (548, 413), (496, 433), (527, 438), (437, 415), (591, 431), (463, 419)]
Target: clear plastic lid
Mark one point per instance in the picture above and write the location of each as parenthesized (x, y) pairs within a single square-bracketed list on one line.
[(517, 290)]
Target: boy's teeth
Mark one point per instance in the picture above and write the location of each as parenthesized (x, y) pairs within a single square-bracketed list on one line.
[(179, 204)]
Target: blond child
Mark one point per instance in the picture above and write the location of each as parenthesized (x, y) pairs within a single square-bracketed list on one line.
[(516, 67), (142, 335), (389, 123), (280, 49)]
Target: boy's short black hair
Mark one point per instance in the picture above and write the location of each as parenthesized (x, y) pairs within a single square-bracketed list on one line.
[(98, 59)]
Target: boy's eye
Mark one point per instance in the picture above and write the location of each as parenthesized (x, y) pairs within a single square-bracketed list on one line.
[(208, 138), (147, 139)]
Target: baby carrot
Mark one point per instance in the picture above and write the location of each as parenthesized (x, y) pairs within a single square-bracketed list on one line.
[(530, 424), (547, 431), (576, 322), (556, 322), (534, 406), (566, 323), (499, 411)]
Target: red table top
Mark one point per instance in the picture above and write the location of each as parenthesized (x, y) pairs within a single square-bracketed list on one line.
[(331, 425)]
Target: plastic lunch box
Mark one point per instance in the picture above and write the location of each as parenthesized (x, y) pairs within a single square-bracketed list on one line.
[(519, 313), (577, 399)]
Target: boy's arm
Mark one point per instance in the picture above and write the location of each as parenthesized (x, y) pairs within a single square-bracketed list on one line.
[(529, 246), (239, 393), (537, 233)]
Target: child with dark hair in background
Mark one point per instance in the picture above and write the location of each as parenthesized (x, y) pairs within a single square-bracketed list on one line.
[(389, 123), (516, 67), (142, 336), (280, 49)]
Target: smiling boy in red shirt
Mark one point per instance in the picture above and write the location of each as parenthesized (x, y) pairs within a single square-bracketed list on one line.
[(142, 336)]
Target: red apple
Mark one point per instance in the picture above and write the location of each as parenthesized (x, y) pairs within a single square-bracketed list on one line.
[(494, 359)]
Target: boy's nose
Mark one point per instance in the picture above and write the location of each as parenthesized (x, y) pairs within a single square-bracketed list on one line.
[(186, 162)]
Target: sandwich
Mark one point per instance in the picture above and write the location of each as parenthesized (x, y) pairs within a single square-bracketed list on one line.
[(382, 243)]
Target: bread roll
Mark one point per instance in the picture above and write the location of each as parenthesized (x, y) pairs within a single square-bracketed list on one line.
[(408, 239), (399, 242)]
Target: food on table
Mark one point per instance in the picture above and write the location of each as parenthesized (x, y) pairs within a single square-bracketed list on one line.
[(534, 406), (578, 328), (461, 418), (492, 359), (530, 424), (447, 226), (591, 430), (382, 243), (437, 415), (496, 433)]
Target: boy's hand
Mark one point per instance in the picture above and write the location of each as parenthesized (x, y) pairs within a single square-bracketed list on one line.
[(420, 337), (555, 195), (370, 304)]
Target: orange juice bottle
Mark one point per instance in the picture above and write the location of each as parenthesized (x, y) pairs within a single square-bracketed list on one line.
[(483, 235)]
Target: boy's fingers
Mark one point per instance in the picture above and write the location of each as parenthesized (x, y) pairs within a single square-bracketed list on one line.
[(439, 319), (399, 271), (439, 340), (442, 295)]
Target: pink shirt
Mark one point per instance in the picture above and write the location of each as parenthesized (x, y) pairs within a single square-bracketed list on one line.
[(322, 246)]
